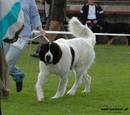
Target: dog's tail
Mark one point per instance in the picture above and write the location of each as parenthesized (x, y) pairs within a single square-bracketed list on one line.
[(80, 30)]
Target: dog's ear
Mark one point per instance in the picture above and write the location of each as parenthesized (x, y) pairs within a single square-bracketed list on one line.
[(101, 22), (42, 51), (44, 48), (57, 52)]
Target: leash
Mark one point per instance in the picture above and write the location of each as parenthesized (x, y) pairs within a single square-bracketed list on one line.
[(43, 35), (31, 40)]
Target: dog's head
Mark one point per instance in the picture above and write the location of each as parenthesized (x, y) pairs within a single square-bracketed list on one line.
[(50, 53), (102, 25)]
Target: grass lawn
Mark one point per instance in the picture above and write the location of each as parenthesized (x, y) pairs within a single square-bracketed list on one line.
[(110, 88)]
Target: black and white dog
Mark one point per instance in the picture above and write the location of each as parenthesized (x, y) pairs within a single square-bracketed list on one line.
[(62, 55)]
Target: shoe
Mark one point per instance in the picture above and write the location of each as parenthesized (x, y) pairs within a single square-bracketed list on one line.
[(17, 76), (19, 86), (35, 55), (4, 92)]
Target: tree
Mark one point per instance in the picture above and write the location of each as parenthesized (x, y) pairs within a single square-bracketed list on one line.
[(56, 17)]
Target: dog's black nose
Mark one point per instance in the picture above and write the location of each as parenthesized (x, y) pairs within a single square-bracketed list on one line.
[(48, 59)]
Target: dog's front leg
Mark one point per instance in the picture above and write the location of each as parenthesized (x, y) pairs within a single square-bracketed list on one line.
[(40, 82), (61, 87)]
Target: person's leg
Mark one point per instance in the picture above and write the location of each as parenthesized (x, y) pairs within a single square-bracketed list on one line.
[(0, 110), (12, 56), (4, 81)]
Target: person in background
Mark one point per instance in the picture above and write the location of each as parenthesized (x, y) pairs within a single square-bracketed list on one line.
[(14, 50), (91, 13)]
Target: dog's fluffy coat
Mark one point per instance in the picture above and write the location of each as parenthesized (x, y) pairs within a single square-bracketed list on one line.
[(62, 55)]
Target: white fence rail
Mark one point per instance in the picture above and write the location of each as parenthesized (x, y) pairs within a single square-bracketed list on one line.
[(37, 33), (65, 32)]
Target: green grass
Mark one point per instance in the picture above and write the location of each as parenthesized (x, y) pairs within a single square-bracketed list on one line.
[(110, 88)]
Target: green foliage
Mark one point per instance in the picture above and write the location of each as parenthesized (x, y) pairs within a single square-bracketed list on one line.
[(110, 88)]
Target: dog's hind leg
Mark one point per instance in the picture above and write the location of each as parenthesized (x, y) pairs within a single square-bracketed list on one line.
[(126, 40), (78, 80), (61, 87), (110, 40), (40, 82), (87, 80)]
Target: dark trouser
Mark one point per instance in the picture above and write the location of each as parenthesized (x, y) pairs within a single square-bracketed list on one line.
[(94, 28), (4, 82)]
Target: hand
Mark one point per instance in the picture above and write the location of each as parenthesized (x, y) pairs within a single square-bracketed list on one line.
[(41, 1), (88, 22), (42, 31), (95, 21)]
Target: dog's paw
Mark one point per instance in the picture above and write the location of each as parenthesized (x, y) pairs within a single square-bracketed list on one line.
[(70, 93), (40, 99), (86, 91), (55, 97)]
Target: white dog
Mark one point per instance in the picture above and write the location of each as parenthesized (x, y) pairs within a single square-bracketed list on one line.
[(62, 55)]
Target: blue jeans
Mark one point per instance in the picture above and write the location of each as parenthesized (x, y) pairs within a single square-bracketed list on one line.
[(17, 74), (12, 54)]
